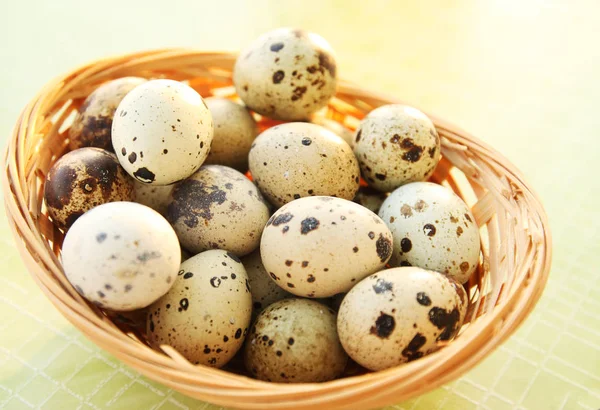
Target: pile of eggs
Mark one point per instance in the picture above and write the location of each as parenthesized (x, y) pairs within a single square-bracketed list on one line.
[(266, 245)]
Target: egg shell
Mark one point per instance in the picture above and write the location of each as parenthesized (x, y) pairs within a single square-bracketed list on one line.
[(296, 160), (218, 208), (370, 198), (156, 197), (93, 124), (206, 315), (286, 74), (399, 315), (264, 290), (121, 256), (433, 229), (396, 144), (295, 341), (235, 129), (81, 180), (162, 132), (320, 246)]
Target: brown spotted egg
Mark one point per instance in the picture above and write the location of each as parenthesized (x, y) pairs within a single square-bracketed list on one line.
[(296, 160), (336, 128), (319, 246), (218, 208), (295, 341), (264, 290), (121, 256), (81, 180), (162, 132), (93, 124), (286, 74), (396, 144), (433, 229), (399, 315), (235, 129), (206, 314)]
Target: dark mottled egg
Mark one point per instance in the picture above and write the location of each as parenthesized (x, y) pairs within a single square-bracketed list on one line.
[(81, 180), (286, 74), (162, 132), (433, 229), (296, 160), (92, 126), (156, 197), (370, 198), (399, 315), (235, 129), (264, 290), (396, 144), (320, 246), (206, 314), (218, 208), (121, 256), (295, 341)]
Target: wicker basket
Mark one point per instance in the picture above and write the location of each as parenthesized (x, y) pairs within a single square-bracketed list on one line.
[(508, 282)]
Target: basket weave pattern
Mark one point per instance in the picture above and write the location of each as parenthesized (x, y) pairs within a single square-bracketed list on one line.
[(516, 243)]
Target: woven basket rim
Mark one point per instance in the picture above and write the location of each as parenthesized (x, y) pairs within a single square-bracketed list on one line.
[(486, 333)]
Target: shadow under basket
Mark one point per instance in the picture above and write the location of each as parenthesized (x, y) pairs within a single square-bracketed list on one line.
[(515, 239)]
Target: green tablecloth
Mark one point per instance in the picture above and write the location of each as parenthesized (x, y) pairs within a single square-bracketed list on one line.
[(522, 75)]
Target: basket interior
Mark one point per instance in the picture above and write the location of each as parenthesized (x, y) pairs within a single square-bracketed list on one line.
[(512, 224)]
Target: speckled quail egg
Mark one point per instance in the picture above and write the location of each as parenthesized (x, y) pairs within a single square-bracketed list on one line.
[(162, 132), (286, 74), (93, 124), (121, 256), (156, 197), (81, 180), (218, 208), (396, 144), (295, 160), (337, 128), (320, 246), (264, 290), (399, 315), (235, 129), (370, 198), (206, 315), (295, 341), (433, 229)]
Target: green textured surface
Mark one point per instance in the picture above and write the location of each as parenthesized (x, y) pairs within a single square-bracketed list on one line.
[(522, 75)]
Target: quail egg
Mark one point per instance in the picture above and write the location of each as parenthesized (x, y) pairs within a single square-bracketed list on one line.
[(295, 341), (399, 315), (286, 74), (121, 256), (433, 229)]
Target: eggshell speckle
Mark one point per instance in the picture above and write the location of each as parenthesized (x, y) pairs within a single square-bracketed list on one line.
[(92, 126), (162, 132), (399, 315), (121, 256), (218, 208), (320, 246), (433, 229), (294, 341), (235, 129), (205, 316), (81, 180), (264, 290), (296, 160), (395, 145), (286, 74)]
